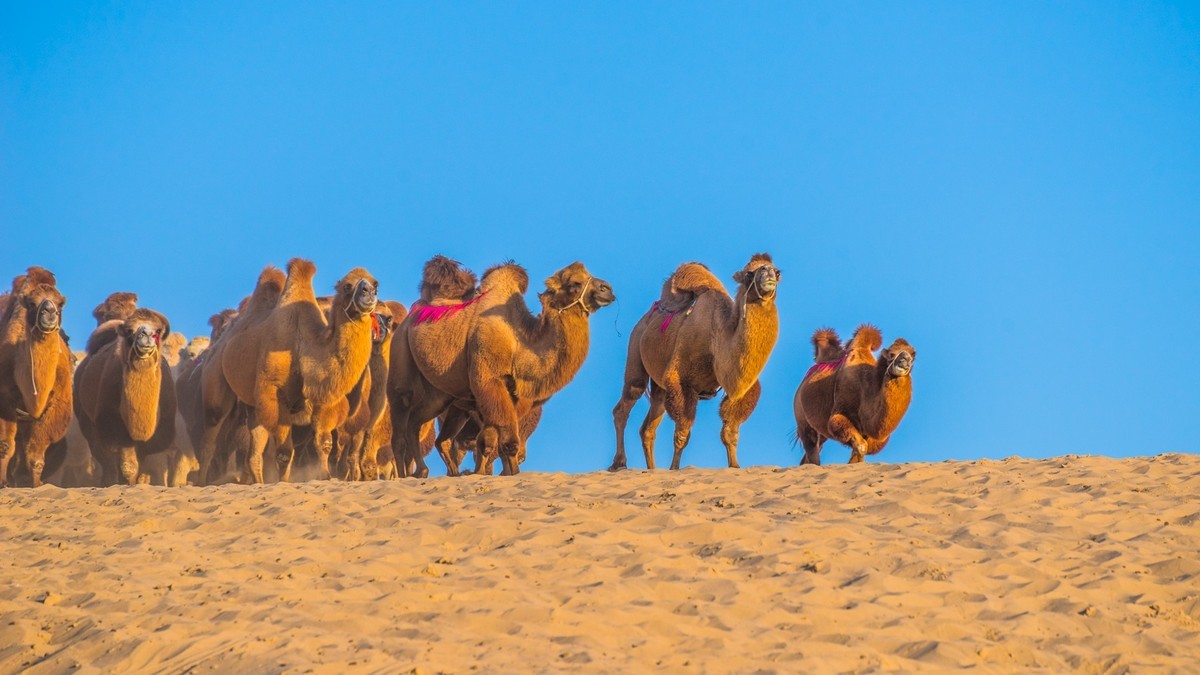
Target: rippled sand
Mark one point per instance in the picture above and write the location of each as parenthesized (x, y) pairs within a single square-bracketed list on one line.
[(1080, 563)]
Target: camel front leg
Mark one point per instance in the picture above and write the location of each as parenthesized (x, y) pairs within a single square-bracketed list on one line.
[(129, 465), (843, 431), (649, 429), (499, 416), (733, 414), (8, 448), (634, 388), (452, 425), (285, 453)]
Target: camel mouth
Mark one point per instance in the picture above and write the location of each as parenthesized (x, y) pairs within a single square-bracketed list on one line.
[(48, 317), (901, 366), (603, 296), (365, 298), (145, 343), (767, 280)]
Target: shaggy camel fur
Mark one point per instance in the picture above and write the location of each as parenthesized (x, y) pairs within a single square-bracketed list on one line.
[(490, 353), (125, 398), (303, 366), (35, 377), (696, 340), (852, 397)]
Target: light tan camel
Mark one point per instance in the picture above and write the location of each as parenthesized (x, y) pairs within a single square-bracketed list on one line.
[(302, 365), (695, 340), (851, 396)]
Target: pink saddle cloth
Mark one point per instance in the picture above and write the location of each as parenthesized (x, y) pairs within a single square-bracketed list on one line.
[(423, 313)]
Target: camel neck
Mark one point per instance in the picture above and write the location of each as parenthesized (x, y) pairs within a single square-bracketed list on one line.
[(886, 402), (558, 351), (746, 343), (36, 366), (141, 383)]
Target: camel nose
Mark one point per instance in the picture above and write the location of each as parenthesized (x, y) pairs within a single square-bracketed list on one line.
[(143, 341), (47, 317)]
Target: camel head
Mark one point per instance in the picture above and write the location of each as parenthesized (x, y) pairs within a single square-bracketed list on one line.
[(116, 306), (37, 290), (899, 358), (220, 322), (143, 334), (356, 293), (172, 347), (760, 276), (385, 321), (446, 279), (196, 347), (574, 285)]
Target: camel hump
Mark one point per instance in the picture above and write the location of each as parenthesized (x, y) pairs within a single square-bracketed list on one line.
[(266, 291), (866, 337), (692, 277), (299, 284), (39, 276), (116, 306), (827, 346), (505, 275), (446, 279), (105, 333)]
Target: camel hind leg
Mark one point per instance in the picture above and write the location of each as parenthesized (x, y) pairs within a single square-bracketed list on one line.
[(733, 413), (649, 428), (812, 442), (681, 406), (8, 448)]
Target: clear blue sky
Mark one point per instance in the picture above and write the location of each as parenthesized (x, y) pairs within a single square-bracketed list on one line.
[(1014, 187)]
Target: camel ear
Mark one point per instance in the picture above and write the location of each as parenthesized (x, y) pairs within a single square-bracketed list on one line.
[(740, 276)]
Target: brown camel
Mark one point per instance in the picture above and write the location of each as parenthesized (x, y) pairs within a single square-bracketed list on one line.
[(35, 377), (190, 429), (490, 354), (125, 398), (852, 397), (696, 340), (292, 367)]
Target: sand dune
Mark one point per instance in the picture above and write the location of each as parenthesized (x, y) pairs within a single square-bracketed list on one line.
[(1076, 563)]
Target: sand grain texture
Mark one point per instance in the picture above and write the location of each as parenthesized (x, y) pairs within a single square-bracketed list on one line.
[(1078, 563)]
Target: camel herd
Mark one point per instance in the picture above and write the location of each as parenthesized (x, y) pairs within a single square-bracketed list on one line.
[(290, 385)]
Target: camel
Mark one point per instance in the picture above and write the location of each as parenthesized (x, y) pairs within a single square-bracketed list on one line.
[(35, 377), (851, 396), (125, 398), (488, 353), (695, 340), (358, 444), (190, 417), (289, 365)]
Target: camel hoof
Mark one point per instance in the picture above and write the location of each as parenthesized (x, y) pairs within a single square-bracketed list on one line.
[(621, 466)]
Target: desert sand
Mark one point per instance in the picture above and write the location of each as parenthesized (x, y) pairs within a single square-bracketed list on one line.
[(1076, 563)]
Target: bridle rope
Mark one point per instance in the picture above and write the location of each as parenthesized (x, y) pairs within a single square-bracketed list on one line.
[(579, 300)]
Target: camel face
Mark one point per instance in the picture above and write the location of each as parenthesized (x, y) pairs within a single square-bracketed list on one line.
[(144, 332), (45, 305), (220, 322), (358, 293), (574, 285), (760, 276), (900, 357), (383, 325)]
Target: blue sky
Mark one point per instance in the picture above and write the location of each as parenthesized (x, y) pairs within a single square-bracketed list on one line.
[(1013, 187)]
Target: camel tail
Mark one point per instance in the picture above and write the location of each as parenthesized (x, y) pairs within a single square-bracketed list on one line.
[(299, 284), (867, 337), (827, 346)]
